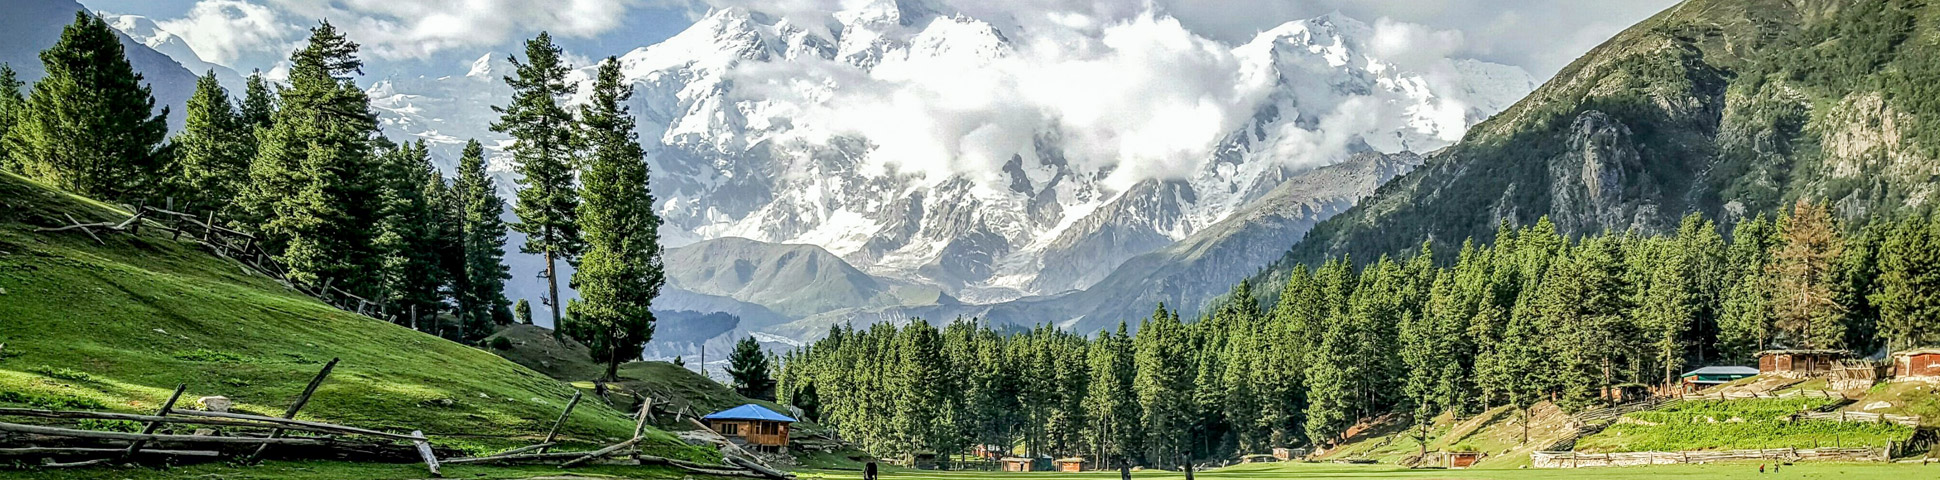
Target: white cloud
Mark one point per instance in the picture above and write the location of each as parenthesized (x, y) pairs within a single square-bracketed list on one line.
[(233, 33)]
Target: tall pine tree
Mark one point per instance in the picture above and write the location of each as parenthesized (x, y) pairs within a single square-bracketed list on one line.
[(621, 271), (1803, 308), (213, 150), (90, 125), (480, 278), (749, 368), (544, 146), (11, 103)]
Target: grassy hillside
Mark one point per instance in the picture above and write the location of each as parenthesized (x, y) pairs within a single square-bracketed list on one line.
[(1736, 424), (1496, 433), (117, 325), (1291, 471)]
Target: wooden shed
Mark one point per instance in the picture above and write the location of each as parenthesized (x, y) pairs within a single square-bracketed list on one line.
[(1017, 464), (1715, 375), (1461, 459), (1917, 364), (1070, 464), (1799, 363), (1288, 454), (753, 427)]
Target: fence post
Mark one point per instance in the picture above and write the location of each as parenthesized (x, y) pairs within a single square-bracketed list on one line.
[(209, 229)]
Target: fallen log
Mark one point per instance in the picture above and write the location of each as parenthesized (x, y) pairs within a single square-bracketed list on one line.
[(758, 467), (84, 463), (524, 449), (601, 452), (519, 457), (294, 424), (44, 451), (184, 419), (101, 435)]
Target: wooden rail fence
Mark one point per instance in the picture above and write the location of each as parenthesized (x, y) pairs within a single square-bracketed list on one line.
[(243, 247), (1579, 460)]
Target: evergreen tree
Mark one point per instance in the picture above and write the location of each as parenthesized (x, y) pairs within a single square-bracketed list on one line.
[(481, 282), (621, 271), (1804, 309), (255, 116), (749, 368), (315, 174), (1164, 383), (213, 150), (544, 147), (1909, 285), (11, 105), (89, 126), (1111, 399), (408, 237), (523, 310), (1745, 323)]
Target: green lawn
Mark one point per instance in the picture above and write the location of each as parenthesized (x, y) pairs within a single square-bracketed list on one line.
[(116, 326), (345, 471), (1748, 471)]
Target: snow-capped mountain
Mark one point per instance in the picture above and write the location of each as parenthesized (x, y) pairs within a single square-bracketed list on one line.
[(31, 26), (938, 149), (142, 29)]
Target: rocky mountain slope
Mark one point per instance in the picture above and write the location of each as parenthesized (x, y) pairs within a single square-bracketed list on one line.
[(1184, 275), (30, 26), (737, 112), (1730, 108)]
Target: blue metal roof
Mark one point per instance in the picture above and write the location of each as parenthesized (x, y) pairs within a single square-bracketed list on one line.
[(749, 412), (1723, 370)]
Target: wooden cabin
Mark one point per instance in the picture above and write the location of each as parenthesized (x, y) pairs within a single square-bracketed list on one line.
[(1917, 364), (1799, 363), (1712, 376), (1071, 464), (1017, 464), (752, 427), (1288, 454), (1461, 459)]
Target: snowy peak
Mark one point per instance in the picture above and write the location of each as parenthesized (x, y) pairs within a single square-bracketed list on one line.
[(143, 30)]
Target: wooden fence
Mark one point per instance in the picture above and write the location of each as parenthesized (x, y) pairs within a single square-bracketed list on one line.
[(208, 232), (1826, 394), (1860, 417), (1579, 460)]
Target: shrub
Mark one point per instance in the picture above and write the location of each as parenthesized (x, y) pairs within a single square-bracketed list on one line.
[(501, 343), (62, 373)]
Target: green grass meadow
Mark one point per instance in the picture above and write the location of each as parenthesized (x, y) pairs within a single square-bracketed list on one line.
[(1292, 471)]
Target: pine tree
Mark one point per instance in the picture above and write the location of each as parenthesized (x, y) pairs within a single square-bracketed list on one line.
[(1909, 285), (481, 283), (1164, 383), (748, 366), (1111, 399), (11, 105), (523, 310), (1802, 271), (213, 150), (254, 116), (89, 126), (621, 271), (544, 147), (1745, 321), (315, 173), (408, 237)]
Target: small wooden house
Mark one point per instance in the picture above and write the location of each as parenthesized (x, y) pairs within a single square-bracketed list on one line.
[(1017, 464), (753, 427), (1799, 363), (1917, 364), (1288, 454), (1461, 459), (1715, 375), (990, 452), (1071, 464)]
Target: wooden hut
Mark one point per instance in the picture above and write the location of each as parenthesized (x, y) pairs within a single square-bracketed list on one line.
[(1917, 364), (1070, 464), (1017, 464), (753, 427), (1715, 375), (1288, 454), (1799, 363), (1461, 459)]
